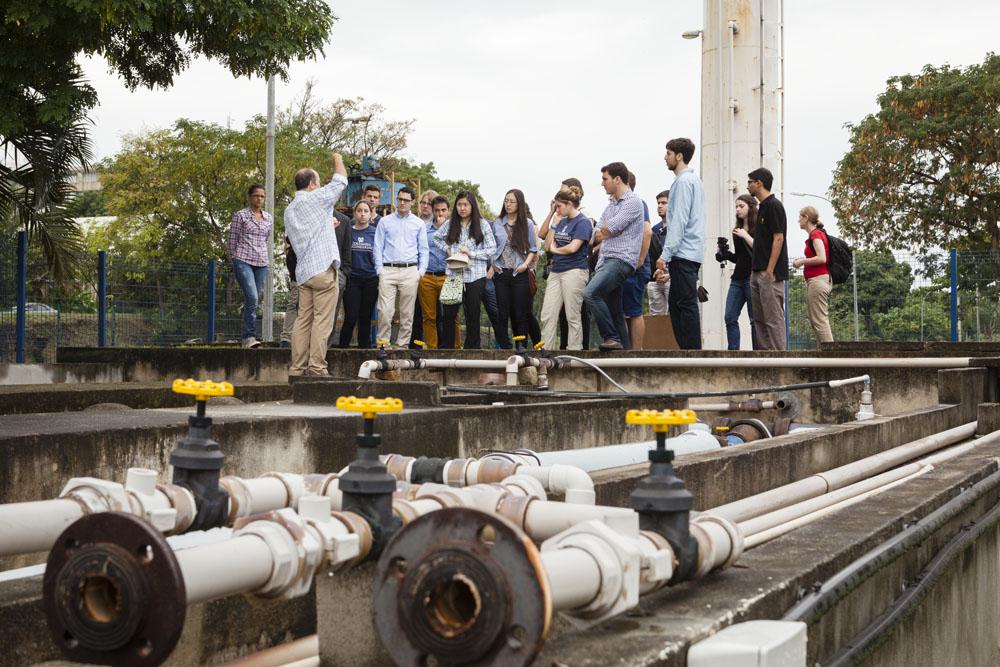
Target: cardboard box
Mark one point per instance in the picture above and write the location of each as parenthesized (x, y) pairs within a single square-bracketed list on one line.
[(659, 333)]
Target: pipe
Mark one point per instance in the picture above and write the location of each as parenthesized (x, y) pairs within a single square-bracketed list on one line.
[(776, 362), (814, 605), (573, 575), (590, 459), (752, 405), (237, 565), (35, 526), (824, 482), (372, 365), (282, 654)]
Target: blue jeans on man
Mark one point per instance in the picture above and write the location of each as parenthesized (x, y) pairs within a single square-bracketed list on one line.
[(605, 288), (682, 303), (251, 280), (738, 295)]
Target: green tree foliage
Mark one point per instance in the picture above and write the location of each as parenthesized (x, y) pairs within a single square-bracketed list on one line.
[(924, 171), (44, 100)]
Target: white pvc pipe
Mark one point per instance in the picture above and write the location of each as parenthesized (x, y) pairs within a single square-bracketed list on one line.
[(238, 565), (289, 653), (574, 577), (824, 482), (775, 362), (35, 526), (573, 483), (614, 456), (265, 494), (372, 366), (547, 518), (725, 407)]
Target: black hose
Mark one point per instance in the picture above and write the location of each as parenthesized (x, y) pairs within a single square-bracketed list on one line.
[(834, 589), (635, 394), (901, 607)]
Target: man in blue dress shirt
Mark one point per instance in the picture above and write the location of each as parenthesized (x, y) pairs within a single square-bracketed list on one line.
[(401, 255)]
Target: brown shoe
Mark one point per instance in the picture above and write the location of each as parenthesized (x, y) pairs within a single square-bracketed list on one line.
[(609, 345), (313, 373)]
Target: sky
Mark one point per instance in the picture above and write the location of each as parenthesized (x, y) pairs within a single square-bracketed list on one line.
[(523, 94)]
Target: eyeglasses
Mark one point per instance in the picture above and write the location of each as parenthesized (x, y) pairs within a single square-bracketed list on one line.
[(403, 199)]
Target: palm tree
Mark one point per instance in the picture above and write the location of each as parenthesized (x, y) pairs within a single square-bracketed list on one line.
[(36, 167)]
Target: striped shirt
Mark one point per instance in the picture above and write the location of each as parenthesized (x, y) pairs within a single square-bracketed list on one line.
[(480, 254), (622, 221), (247, 237), (308, 225)]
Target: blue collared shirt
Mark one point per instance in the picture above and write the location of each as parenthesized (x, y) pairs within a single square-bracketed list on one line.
[(686, 213), (309, 228), (400, 240), (480, 254), (500, 228), (623, 220), (435, 263)]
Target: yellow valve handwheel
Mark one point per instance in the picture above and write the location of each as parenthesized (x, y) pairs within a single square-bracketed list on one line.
[(369, 406), (539, 345), (381, 342), (661, 420), (518, 339), (420, 343), (202, 390)]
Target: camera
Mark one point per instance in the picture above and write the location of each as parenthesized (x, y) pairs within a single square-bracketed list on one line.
[(723, 252)]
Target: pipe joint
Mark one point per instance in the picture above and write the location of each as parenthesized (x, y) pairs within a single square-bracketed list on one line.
[(619, 560), (341, 546), (148, 502), (720, 543), (96, 495), (296, 551)]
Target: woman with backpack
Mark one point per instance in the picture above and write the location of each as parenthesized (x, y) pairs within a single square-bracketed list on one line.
[(470, 237), (815, 268)]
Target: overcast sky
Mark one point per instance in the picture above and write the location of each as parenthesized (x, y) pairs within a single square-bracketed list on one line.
[(524, 94)]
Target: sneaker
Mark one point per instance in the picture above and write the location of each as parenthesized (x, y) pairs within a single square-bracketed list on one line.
[(250, 343), (610, 344), (313, 373)]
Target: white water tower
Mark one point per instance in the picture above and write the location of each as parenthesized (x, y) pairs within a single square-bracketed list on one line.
[(742, 128)]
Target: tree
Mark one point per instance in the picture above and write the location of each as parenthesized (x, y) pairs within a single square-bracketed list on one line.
[(924, 171), (44, 100)]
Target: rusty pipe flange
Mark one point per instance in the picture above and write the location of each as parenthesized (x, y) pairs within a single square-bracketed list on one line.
[(461, 587), (113, 592)]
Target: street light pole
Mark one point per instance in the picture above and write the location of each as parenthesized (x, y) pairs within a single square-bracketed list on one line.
[(267, 328), (809, 194)]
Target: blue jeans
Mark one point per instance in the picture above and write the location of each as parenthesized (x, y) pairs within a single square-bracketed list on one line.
[(492, 310), (738, 295), (251, 280), (606, 287)]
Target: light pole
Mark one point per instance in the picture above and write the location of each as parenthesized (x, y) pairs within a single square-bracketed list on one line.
[(809, 194), (267, 326)]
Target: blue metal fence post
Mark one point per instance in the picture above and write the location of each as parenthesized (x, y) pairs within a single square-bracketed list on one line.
[(211, 302), (22, 294), (102, 298), (954, 295)]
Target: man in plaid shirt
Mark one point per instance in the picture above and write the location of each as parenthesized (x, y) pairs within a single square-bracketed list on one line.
[(312, 237), (248, 250)]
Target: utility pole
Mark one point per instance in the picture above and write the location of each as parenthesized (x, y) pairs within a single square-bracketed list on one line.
[(267, 328)]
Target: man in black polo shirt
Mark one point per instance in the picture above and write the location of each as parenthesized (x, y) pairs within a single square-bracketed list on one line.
[(769, 267)]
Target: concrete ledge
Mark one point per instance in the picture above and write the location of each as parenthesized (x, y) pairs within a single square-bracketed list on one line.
[(105, 371), (25, 399), (326, 392)]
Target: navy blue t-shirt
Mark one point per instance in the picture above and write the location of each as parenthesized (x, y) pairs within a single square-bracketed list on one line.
[(565, 232), (362, 257), (647, 265)]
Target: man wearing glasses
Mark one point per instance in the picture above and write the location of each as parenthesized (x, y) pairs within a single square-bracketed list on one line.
[(400, 260)]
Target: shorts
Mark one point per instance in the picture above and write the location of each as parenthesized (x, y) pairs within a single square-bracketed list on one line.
[(633, 292)]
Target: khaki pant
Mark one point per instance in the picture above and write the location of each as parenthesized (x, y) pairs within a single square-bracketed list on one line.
[(564, 290), (767, 297), (401, 281), (317, 306), (429, 294), (818, 290), (658, 295)]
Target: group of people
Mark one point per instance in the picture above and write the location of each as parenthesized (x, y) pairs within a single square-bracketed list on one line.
[(425, 268)]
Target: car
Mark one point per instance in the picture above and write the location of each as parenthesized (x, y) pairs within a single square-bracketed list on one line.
[(32, 307)]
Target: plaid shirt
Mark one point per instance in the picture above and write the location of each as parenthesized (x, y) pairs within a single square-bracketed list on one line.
[(623, 219), (480, 254), (308, 225), (247, 237)]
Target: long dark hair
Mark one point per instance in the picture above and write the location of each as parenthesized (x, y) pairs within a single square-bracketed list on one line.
[(519, 237), (751, 212), (475, 220)]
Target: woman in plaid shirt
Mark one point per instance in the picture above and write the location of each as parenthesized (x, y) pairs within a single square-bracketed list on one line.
[(467, 233), (248, 250)]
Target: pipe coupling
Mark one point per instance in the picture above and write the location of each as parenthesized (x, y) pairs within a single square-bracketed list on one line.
[(96, 495), (295, 550)]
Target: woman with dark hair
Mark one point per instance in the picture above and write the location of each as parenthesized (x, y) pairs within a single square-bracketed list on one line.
[(361, 292), (247, 245), (466, 234), (739, 285), (517, 246)]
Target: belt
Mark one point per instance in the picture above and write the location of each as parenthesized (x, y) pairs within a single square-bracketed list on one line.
[(434, 273), (399, 265)]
